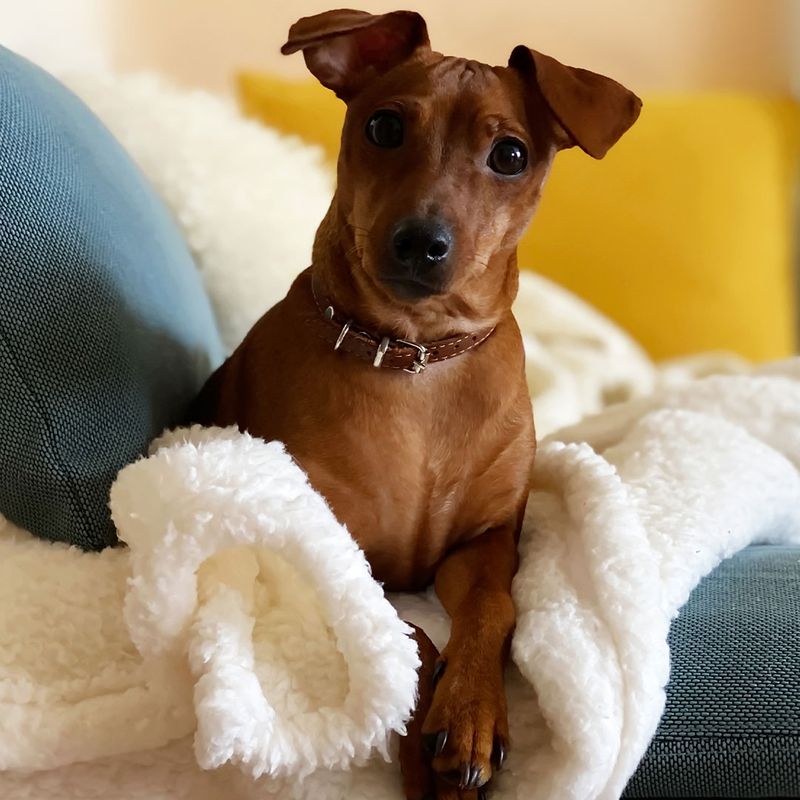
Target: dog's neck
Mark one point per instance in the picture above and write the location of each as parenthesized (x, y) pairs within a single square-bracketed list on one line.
[(341, 281)]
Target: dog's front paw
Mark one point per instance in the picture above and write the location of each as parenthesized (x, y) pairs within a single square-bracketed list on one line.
[(466, 728)]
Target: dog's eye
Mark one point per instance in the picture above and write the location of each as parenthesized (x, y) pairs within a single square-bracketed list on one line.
[(508, 157), (385, 128)]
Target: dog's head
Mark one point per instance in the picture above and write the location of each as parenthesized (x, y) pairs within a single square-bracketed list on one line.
[(443, 159)]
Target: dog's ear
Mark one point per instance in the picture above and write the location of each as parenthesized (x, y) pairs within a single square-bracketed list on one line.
[(593, 110), (343, 49)]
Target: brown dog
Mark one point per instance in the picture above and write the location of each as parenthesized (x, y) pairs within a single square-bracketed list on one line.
[(394, 370)]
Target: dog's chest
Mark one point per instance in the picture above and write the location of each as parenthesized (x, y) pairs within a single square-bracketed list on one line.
[(413, 465), (403, 494)]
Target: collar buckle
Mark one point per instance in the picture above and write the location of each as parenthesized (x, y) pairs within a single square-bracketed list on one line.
[(421, 359)]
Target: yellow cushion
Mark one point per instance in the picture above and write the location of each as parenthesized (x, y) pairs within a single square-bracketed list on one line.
[(304, 108), (682, 234)]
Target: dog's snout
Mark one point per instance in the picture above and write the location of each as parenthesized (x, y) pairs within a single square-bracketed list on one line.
[(419, 254), (420, 244)]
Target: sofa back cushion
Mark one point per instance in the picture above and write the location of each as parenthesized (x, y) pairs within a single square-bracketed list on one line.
[(106, 332)]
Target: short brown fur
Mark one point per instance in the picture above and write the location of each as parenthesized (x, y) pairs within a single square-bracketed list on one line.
[(429, 471)]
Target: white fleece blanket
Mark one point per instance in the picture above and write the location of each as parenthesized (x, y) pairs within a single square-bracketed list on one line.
[(241, 635), (250, 620)]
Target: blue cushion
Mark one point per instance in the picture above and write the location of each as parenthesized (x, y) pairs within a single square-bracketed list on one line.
[(731, 727), (106, 332)]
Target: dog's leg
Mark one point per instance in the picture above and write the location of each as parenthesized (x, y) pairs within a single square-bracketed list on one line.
[(467, 721), (419, 781)]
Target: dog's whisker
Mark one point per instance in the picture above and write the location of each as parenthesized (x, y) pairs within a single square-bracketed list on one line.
[(355, 250), (358, 229)]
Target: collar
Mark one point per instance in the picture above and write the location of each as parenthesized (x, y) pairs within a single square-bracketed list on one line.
[(384, 351)]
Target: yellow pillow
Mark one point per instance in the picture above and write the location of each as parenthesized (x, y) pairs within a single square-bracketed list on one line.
[(682, 234), (304, 108)]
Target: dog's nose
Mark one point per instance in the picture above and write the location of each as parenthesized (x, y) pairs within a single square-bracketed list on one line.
[(421, 244)]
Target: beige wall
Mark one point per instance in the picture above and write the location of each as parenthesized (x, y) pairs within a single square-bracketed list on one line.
[(650, 44), (56, 33)]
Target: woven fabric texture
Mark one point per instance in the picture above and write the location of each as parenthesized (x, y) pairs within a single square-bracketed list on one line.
[(105, 329), (731, 727)]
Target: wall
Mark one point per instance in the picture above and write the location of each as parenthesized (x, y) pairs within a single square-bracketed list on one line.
[(72, 34), (651, 44)]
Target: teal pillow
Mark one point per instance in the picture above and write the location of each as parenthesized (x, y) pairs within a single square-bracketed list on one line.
[(731, 727), (106, 332)]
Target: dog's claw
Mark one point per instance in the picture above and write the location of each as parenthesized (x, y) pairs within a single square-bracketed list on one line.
[(483, 793), (438, 671), (475, 778), (468, 777), (434, 743), (499, 754)]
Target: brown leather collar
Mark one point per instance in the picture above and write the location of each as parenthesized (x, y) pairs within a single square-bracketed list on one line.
[(386, 352)]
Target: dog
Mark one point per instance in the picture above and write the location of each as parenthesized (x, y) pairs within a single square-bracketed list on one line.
[(393, 370)]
